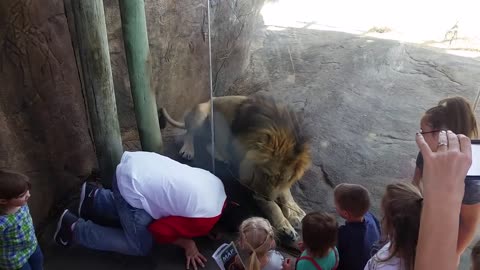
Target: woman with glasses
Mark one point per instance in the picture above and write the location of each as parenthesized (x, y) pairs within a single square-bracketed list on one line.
[(453, 114)]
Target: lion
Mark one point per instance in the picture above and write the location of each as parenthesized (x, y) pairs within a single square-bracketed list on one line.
[(264, 141)]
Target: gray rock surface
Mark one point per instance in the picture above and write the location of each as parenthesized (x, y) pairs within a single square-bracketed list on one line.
[(362, 99)]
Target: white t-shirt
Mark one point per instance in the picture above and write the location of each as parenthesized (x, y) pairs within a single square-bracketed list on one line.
[(377, 261), (164, 187)]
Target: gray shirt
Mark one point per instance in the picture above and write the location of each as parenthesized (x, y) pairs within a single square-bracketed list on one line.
[(472, 185)]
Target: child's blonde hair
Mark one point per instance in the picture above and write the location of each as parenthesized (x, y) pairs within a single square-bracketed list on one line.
[(257, 235)]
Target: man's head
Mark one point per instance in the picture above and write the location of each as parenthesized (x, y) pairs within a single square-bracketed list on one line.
[(351, 201)]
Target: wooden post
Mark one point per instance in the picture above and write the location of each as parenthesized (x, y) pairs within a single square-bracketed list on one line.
[(98, 83), (134, 27)]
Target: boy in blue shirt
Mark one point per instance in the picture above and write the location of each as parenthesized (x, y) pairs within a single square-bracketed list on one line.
[(361, 230)]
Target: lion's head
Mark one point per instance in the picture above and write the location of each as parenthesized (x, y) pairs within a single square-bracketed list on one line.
[(273, 141)]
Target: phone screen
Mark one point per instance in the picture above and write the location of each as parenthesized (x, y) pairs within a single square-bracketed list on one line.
[(475, 168)]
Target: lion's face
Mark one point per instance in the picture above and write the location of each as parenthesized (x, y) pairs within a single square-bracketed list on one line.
[(287, 171), (275, 172)]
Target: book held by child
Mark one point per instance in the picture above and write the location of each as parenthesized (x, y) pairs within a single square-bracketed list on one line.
[(228, 258)]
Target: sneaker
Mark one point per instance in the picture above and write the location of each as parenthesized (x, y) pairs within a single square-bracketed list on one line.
[(64, 233), (86, 200)]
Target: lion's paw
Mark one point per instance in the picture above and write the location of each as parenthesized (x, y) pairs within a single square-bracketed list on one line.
[(187, 151), (287, 232), (296, 214)]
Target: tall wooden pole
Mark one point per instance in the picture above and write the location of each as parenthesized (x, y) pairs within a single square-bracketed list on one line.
[(98, 83), (134, 26)]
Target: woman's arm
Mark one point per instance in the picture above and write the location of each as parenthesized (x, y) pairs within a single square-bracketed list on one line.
[(469, 220), (443, 180)]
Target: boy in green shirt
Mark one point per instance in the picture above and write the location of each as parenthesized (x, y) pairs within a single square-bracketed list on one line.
[(319, 233), (19, 248)]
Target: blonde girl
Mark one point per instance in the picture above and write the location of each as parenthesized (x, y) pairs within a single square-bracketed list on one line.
[(257, 239)]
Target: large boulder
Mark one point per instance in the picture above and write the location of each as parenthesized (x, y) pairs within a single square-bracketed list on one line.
[(43, 123)]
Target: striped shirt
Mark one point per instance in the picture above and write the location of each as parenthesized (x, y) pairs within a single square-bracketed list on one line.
[(17, 239)]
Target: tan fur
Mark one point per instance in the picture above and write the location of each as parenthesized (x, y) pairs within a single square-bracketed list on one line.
[(267, 149)]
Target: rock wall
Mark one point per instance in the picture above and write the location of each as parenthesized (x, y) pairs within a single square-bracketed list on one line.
[(43, 126), (43, 120), (178, 37)]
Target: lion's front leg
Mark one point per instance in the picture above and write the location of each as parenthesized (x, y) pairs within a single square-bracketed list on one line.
[(276, 217), (290, 208), (187, 151)]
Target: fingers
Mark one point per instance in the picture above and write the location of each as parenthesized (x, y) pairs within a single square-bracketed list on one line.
[(198, 260), (424, 148), (465, 145), (453, 143), (194, 264), (202, 257), (442, 141), (193, 260)]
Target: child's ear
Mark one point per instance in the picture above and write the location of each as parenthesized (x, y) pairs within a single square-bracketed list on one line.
[(273, 244), (240, 244)]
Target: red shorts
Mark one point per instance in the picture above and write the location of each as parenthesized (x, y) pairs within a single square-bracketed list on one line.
[(169, 229)]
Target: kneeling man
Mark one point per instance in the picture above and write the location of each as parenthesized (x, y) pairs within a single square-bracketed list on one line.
[(153, 198)]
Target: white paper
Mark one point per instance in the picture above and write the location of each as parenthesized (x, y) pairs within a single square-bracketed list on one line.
[(475, 168)]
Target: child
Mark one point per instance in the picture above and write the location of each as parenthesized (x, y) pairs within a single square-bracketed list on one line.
[(319, 233), (18, 244), (258, 239), (401, 208), (361, 230), (476, 256), (454, 114)]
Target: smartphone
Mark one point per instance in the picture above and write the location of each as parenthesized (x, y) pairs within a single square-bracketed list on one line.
[(474, 171)]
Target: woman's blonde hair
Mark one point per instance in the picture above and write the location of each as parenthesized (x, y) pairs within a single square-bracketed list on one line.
[(257, 235), (402, 206)]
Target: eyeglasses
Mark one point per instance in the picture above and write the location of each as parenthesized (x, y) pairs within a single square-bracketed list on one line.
[(431, 131)]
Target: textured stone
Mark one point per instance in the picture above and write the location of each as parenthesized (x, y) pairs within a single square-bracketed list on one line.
[(44, 130), (179, 50)]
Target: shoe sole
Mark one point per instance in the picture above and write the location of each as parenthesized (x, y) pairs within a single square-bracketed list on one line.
[(59, 225), (82, 198)]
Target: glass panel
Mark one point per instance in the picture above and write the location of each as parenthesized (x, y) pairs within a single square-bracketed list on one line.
[(177, 32), (361, 73)]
